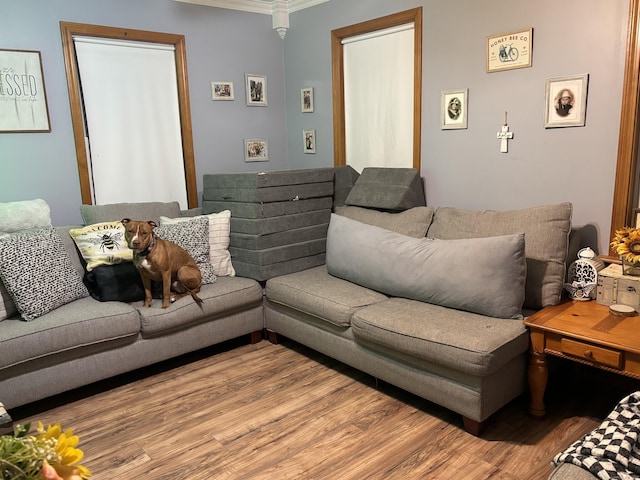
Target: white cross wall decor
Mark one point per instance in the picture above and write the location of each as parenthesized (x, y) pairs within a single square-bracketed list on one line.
[(505, 135)]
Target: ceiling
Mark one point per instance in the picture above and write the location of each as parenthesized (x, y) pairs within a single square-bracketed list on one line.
[(267, 7)]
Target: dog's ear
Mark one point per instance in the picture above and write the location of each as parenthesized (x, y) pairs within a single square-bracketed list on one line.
[(152, 223), (124, 221)]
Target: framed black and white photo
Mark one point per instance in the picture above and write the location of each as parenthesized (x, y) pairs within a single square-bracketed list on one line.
[(222, 91), (453, 109), (256, 87), (566, 101), (306, 100), (23, 100), (309, 141), (256, 150)]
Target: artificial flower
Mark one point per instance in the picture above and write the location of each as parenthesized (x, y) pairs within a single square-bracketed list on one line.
[(626, 243), (50, 455)]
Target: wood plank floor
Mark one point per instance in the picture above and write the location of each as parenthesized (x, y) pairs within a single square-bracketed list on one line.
[(265, 411)]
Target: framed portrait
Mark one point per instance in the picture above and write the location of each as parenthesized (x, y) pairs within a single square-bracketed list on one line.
[(222, 91), (453, 109), (309, 141), (23, 100), (306, 100), (256, 150), (256, 87), (566, 101), (507, 51)]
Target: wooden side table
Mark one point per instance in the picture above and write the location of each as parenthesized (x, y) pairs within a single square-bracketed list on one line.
[(583, 332)]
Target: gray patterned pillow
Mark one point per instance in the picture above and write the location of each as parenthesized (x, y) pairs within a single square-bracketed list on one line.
[(193, 236), (38, 273)]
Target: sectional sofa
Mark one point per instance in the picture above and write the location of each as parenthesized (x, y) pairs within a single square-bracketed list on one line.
[(438, 316)]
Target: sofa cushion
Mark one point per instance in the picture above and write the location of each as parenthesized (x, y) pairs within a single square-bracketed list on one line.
[(70, 328), (135, 211), (102, 244), (317, 293), (219, 231), (193, 236), (482, 275), (387, 189), (37, 272), (546, 229), (413, 222), (227, 295), (464, 341)]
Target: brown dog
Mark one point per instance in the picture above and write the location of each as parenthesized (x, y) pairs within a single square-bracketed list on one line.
[(162, 260)]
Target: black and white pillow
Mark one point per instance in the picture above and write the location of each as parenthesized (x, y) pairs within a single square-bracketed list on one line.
[(37, 272), (193, 236)]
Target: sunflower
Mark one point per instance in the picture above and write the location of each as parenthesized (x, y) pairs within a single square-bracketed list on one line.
[(67, 453), (626, 243)]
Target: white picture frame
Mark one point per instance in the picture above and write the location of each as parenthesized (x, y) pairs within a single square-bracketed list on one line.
[(222, 91), (256, 150), (454, 109), (566, 101), (309, 141), (306, 100), (256, 89)]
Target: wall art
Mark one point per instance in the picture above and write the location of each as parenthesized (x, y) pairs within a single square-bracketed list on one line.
[(566, 101), (256, 87), (222, 91), (306, 100), (256, 150), (309, 141), (453, 109), (507, 51), (23, 100)]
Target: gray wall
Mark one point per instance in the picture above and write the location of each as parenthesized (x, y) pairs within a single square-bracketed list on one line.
[(221, 45), (464, 168)]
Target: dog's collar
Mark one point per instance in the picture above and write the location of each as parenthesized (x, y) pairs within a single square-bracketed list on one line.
[(147, 251)]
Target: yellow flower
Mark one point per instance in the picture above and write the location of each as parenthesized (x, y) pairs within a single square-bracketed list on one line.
[(626, 243), (66, 443)]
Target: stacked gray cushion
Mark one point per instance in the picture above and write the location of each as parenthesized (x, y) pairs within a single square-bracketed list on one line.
[(394, 189), (279, 219)]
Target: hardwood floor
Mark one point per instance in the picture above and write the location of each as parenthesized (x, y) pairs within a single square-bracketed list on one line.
[(264, 411)]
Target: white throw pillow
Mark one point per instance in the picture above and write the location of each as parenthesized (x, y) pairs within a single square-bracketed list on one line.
[(219, 230), (7, 307)]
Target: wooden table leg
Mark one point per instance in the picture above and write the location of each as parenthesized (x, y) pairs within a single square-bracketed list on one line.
[(538, 373)]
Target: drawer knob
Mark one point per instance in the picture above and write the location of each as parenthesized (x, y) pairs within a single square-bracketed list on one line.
[(588, 354)]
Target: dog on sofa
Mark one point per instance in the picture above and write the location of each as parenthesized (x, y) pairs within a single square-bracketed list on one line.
[(161, 260)]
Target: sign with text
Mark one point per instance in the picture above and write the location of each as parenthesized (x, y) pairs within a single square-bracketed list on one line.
[(23, 101), (509, 50)]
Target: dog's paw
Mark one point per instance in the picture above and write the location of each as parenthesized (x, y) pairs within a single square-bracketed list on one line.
[(172, 299)]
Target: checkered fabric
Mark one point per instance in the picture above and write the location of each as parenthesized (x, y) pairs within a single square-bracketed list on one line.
[(611, 451)]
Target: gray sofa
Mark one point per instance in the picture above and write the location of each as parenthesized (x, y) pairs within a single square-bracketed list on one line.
[(440, 319), (88, 340), (457, 340)]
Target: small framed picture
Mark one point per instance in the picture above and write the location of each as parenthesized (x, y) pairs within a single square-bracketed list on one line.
[(222, 91), (306, 99), (566, 101), (507, 51), (309, 141), (256, 87), (453, 109), (256, 150)]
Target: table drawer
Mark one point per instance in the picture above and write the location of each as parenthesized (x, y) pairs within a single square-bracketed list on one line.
[(592, 353)]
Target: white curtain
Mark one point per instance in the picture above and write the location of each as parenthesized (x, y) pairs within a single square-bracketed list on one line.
[(378, 98), (130, 97)]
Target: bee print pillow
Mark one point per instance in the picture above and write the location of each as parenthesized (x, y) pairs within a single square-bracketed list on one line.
[(102, 244)]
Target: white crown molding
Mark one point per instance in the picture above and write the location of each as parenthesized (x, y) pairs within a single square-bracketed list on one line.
[(256, 6)]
